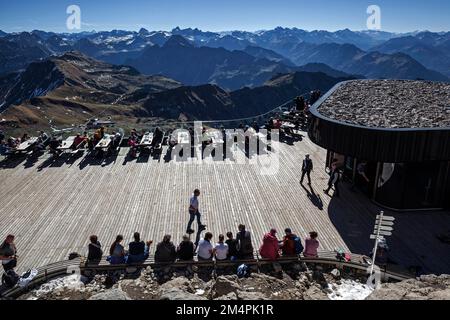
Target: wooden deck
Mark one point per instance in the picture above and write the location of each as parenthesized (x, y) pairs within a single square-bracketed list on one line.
[(53, 208)]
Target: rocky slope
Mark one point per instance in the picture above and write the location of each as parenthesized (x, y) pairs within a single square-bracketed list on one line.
[(210, 102), (428, 287), (293, 285), (72, 88), (283, 286)]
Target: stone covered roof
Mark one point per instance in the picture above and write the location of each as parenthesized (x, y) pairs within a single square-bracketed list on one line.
[(390, 104)]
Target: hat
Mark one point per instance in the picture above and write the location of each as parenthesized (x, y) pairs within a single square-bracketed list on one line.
[(288, 230)]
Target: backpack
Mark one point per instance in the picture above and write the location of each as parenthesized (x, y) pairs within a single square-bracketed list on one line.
[(10, 278), (242, 271), (298, 245)]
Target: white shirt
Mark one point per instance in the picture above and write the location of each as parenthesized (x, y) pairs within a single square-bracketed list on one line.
[(221, 251), (194, 202), (204, 249)]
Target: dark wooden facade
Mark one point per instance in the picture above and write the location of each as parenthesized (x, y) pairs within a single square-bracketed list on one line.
[(421, 149)]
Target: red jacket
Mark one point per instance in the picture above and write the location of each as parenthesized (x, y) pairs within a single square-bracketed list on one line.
[(269, 248)]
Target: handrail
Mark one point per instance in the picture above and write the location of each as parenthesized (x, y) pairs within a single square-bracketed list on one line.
[(68, 267), (262, 115)]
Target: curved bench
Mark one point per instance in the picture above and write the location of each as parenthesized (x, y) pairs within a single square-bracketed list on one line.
[(79, 265)]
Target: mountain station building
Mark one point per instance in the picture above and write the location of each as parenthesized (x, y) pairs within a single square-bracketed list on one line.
[(391, 139)]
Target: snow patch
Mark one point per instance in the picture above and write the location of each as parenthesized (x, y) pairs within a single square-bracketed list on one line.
[(72, 282), (349, 290)]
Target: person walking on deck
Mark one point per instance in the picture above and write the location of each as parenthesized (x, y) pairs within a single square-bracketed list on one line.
[(194, 213), (334, 180), (307, 168)]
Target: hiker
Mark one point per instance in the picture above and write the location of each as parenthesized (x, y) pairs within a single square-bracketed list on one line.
[(311, 245), (307, 168), (186, 249), (270, 247), (245, 248), (194, 212), (138, 251), (165, 251), (117, 252), (95, 252), (205, 248), (288, 246), (221, 249), (8, 253), (334, 180), (232, 247)]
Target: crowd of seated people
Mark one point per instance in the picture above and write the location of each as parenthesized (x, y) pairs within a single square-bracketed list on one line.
[(231, 249)]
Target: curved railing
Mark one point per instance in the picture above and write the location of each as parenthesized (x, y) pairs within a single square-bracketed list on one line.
[(358, 265)]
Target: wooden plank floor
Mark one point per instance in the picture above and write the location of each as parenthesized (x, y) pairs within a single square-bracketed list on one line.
[(53, 209)]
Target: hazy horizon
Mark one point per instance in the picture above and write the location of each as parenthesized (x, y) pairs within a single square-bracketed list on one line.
[(399, 16)]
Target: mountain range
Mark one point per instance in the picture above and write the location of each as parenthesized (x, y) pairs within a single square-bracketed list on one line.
[(65, 79), (372, 54), (69, 89)]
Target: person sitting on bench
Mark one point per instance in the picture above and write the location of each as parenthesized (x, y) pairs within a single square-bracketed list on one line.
[(205, 248), (117, 252), (185, 250), (165, 251), (8, 253), (221, 249), (95, 252), (138, 251), (311, 245), (270, 246)]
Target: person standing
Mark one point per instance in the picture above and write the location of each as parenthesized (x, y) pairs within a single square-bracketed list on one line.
[(307, 168), (194, 213), (8, 253)]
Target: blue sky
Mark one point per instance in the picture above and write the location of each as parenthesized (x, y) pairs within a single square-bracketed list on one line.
[(214, 15)]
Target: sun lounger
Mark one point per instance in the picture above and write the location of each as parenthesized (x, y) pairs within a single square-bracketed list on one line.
[(67, 144), (26, 146)]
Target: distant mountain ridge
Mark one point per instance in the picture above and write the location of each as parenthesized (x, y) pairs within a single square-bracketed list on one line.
[(72, 88), (373, 54)]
